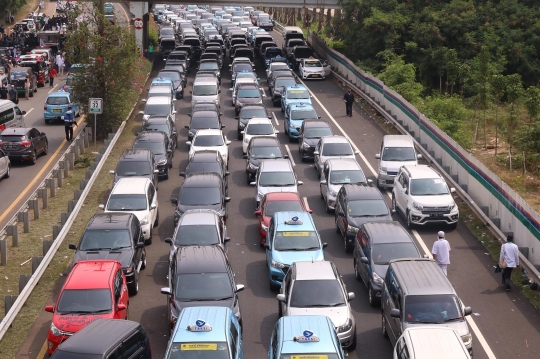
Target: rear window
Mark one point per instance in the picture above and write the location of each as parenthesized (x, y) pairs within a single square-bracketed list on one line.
[(57, 100), (18, 75), (12, 138)]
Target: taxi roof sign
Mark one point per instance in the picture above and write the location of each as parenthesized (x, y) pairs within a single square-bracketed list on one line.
[(307, 337), (294, 220), (200, 326)]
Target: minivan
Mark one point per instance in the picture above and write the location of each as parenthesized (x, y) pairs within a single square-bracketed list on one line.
[(396, 151), (205, 89), (10, 115), (417, 293)]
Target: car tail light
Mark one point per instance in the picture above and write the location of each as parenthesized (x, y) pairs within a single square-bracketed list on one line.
[(25, 144), (45, 106), (69, 106)]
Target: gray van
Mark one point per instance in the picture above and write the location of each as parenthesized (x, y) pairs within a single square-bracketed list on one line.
[(416, 293), (10, 115)]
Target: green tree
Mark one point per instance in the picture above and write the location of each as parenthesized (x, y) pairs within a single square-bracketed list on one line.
[(452, 69), (532, 104), (514, 92), (401, 77), (498, 84)]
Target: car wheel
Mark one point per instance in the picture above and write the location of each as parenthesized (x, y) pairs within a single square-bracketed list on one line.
[(33, 159), (47, 121), (352, 347), (143, 260), (394, 206), (348, 247), (373, 301), (336, 223), (156, 222), (166, 176), (356, 272), (7, 172), (383, 325), (133, 287), (327, 207), (46, 148), (410, 225), (280, 310), (452, 226), (149, 240)]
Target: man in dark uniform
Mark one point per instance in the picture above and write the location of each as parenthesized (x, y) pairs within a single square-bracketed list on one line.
[(3, 92), (349, 100), (69, 121)]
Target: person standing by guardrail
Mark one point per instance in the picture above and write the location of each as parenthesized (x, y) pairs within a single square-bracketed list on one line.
[(349, 100), (441, 252), (69, 121), (508, 259), (151, 52)]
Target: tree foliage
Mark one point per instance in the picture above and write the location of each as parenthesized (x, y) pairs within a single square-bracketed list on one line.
[(8, 6)]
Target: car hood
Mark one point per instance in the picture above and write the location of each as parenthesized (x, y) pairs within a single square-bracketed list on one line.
[(312, 141), (74, 322), (338, 315), (123, 256), (265, 190), (394, 166), (460, 327), (183, 208), (443, 200), (358, 221), (314, 69), (380, 269), (160, 157), (248, 100), (289, 257)]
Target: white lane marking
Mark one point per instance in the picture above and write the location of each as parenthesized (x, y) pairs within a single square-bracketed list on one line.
[(275, 118), (470, 320), (264, 92), (53, 88), (27, 112), (306, 203), (290, 156)]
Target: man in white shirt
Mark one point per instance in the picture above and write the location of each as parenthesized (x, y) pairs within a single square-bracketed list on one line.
[(441, 252), (510, 254)]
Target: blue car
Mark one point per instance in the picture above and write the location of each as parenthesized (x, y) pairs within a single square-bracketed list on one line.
[(294, 94), (291, 237), (57, 104), (212, 331), (295, 115), (309, 336)]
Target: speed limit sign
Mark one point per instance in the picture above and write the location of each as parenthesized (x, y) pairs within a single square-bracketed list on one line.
[(95, 106), (138, 23)]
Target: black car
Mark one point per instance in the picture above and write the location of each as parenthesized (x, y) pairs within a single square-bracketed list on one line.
[(177, 79), (178, 57), (195, 44), (166, 46), (207, 161), (247, 113), (247, 94), (202, 106), (357, 204), (136, 163), (106, 339), (163, 123), (215, 50), (309, 135), (201, 276), (114, 236), (261, 148), (278, 87), (188, 49), (201, 190), (203, 120), (177, 67), (24, 144), (158, 142), (278, 73), (376, 244)]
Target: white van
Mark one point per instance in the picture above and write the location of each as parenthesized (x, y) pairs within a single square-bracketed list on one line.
[(396, 151), (10, 115), (205, 89), (426, 342)]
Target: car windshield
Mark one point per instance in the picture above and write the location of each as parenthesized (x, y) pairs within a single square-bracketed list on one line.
[(18, 75), (276, 179), (208, 66), (157, 109), (317, 132), (204, 122), (249, 93), (303, 114), (279, 66), (203, 286), (157, 127), (265, 152), (192, 42), (57, 100), (246, 75), (133, 168), (196, 235), (205, 90), (337, 149), (175, 76), (200, 167), (367, 207), (282, 206), (429, 187), (264, 17), (242, 67), (432, 309), (298, 94), (313, 63), (313, 355), (199, 350), (383, 253), (178, 56), (102, 239), (168, 44), (317, 293), (166, 32), (260, 129), (84, 301), (400, 154), (208, 141), (296, 241), (253, 112), (127, 202), (199, 196), (284, 82), (342, 177), (157, 148)]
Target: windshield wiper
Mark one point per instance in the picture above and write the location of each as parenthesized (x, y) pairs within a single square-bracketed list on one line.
[(224, 298), (194, 300), (452, 320), (96, 311), (117, 248), (92, 249), (310, 248)]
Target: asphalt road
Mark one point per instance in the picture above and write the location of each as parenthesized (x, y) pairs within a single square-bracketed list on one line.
[(506, 324)]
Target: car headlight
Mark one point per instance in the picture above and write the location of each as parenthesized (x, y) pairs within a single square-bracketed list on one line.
[(332, 193), (418, 206), (55, 331), (260, 194), (352, 229), (452, 206), (382, 170), (345, 327), (377, 279), (144, 221), (264, 228), (128, 270), (251, 166), (305, 145), (277, 264), (467, 339), (162, 162), (216, 102)]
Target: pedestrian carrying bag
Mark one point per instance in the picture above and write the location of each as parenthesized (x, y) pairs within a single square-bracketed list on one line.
[(502, 262)]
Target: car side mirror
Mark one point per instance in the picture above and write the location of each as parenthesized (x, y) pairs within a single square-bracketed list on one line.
[(299, 183), (141, 112), (186, 126), (188, 143), (324, 245), (121, 306), (174, 200), (72, 246), (153, 206), (191, 92), (364, 260), (393, 211), (231, 89), (285, 156), (156, 171), (101, 206), (370, 181), (227, 239), (49, 308), (281, 297), (168, 240), (245, 156), (43, 134), (356, 152), (467, 311), (236, 117), (378, 156), (219, 91), (227, 199), (182, 174), (324, 182), (166, 291), (222, 126), (257, 212), (24, 112), (350, 296), (395, 313), (419, 156), (452, 190), (239, 288), (315, 152)]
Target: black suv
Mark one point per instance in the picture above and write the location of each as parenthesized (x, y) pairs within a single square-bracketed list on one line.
[(261, 148), (24, 144), (106, 339), (158, 143), (136, 163), (247, 113), (163, 123), (201, 276), (309, 135), (203, 120), (114, 236)]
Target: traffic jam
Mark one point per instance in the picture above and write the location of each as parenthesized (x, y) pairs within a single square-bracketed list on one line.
[(417, 302)]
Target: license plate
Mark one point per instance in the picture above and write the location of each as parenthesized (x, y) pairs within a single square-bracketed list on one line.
[(436, 215), (57, 110), (313, 75), (10, 147)]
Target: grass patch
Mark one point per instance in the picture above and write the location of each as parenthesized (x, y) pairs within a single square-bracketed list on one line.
[(59, 266)]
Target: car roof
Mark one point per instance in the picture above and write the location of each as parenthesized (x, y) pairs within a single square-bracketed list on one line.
[(136, 154), (160, 89), (105, 333), (302, 106), (254, 121), (201, 259), (91, 274), (209, 132), (110, 220), (314, 270), (151, 136), (421, 276), (215, 317), (435, 342), (198, 180), (398, 141), (198, 217), (276, 165), (58, 94), (340, 164), (264, 141), (293, 326), (282, 196), (204, 156), (158, 100), (421, 171), (130, 185), (387, 232), (305, 221), (361, 191)]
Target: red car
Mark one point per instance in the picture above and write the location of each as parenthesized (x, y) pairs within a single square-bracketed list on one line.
[(277, 202), (94, 289)]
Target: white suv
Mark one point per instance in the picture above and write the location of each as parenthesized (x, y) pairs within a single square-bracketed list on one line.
[(422, 196), (396, 151)]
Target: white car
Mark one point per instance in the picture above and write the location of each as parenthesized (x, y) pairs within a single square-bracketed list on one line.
[(311, 69), (135, 195), (213, 140), (257, 127), (275, 175), (5, 165), (331, 147)]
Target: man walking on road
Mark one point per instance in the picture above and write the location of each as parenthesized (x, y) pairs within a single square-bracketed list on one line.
[(52, 75), (441, 252), (349, 100), (3, 92), (69, 121), (13, 95), (510, 254), (27, 88)]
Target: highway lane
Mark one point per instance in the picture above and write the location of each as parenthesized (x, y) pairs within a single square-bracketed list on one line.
[(470, 271)]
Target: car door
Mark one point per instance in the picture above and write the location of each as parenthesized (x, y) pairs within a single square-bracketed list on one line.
[(398, 190), (3, 163), (361, 243), (35, 138), (273, 350), (286, 290), (117, 292), (317, 155), (135, 238), (392, 301), (338, 210), (152, 203), (269, 242), (404, 189)]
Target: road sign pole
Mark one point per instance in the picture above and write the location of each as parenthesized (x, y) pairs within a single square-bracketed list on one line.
[(95, 131), (95, 106)]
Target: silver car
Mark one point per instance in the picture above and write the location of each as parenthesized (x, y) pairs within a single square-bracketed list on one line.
[(332, 147), (275, 176), (316, 288)]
